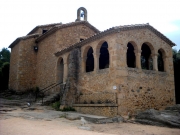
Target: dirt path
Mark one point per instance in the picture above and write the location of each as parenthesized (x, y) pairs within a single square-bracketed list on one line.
[(61, 126), (20, 126), (135, 129), (15, 120)]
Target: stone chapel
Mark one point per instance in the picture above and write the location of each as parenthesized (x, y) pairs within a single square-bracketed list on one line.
[(122, 70)]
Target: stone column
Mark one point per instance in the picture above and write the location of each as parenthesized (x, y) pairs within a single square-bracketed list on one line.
[(109, 57), (154, 57), (165, 63), (138, 59), (83, 64), (96, 61)]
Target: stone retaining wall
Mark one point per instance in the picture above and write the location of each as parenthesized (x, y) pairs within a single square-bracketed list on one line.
[(104, 97), (108, 110)]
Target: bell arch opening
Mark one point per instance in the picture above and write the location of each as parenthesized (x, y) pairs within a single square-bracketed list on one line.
[(146, 58), (130, 55), (104, 56), (90, 60), (81, 14)]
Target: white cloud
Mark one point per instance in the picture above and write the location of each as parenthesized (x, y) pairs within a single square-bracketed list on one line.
[(20, 16)]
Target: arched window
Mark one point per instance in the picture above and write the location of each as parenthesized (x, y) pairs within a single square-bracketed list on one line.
[(104, 56), (90, 60), (130, 56), (146, 59), (160, 61)]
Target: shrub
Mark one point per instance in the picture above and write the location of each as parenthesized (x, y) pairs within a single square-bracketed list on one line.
[(66, 109), (56, 105)]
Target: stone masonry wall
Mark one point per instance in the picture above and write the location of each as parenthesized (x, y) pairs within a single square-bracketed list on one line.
[(71, 35), (47, 61), (143, 89), (27, 65), (14, 67), (137, 89), (23, 66), (107, 111), (98, 98)]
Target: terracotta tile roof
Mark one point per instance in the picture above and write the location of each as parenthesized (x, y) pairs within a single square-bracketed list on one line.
[(42, 26), (56, 27), (114, 30), (23, 38)]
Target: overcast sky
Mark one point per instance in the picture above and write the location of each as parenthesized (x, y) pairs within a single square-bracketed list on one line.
[(18, 17)]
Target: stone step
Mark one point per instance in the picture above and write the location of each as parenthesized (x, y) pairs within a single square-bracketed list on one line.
[(50, 98)]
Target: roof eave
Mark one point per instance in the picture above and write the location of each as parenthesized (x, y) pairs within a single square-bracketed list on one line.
[(22, 38), (41, 26)]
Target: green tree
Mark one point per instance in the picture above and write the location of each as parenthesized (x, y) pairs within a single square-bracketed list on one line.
[(4, 56), (4, 75), (4, 68)]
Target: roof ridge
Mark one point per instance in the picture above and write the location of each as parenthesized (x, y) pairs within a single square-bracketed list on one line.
[(49, 24), (45, 25), (56, 27), (117, 29)]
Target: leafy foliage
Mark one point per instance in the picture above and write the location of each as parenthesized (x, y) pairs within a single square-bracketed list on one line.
[(4, 56), (176, 61), (66, 109), (56, 105)]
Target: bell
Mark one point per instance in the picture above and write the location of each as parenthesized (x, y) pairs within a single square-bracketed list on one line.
[(82, 14)]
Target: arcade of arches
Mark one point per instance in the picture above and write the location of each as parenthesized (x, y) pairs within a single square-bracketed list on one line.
[(146, 58), (94, 59)]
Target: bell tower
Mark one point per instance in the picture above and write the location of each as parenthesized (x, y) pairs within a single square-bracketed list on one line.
[(81, 14)]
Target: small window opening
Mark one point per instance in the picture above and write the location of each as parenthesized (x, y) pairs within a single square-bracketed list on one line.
[(81, 39), (146, 59), (44, 31), (35, 48), (160, 61), (90, 60), (130, 56), (104, 56)]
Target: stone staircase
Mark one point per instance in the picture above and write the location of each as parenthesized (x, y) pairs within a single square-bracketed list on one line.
[(7, 93), (42, 96), (56, 96), (50, 98)]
